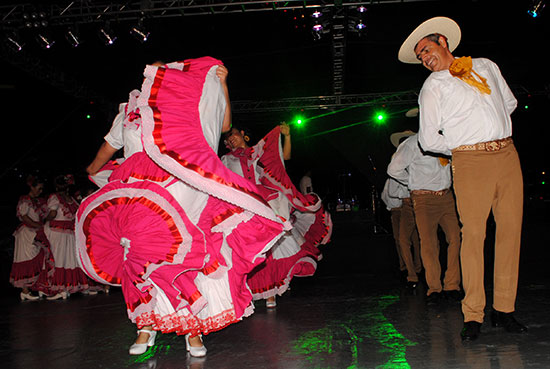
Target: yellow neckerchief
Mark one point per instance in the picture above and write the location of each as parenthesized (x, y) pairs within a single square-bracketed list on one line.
[(462, 68)]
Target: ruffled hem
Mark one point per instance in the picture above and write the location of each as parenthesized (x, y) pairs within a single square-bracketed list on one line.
[(274, 276), (25, 273), (64, 280), (315, 228), (183, 324)]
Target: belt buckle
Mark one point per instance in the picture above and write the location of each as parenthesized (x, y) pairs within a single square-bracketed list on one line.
[(492, 146)]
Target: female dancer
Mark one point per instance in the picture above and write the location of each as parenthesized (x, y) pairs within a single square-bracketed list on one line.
[(64, 276), (296, 253), (175, 228), (28, 257)]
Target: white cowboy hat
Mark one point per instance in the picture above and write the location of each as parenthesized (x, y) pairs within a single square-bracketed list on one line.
[(442, 25), (395, 137), (411, 113)]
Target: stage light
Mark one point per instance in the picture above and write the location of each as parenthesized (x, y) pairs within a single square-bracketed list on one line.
[(299, 121), (360, 26), (317, 14), (45, 41), (139, 32), (72, 38), (361, 9), (380, 117), (14, 43), (536, 8), (317, 31), (107, 35)]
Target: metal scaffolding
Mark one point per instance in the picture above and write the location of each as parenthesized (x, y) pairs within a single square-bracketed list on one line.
[(86, 11), (17, 16), (36, 15)]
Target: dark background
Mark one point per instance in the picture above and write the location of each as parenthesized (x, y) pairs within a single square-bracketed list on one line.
[(271, 55)]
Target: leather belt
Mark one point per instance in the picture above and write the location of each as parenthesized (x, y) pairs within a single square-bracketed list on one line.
[(428, 192), (495, 145)]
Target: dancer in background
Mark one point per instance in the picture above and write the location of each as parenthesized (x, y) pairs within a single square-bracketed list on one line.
[(64, 276), (296, 253), (28, 257), (175, 228)]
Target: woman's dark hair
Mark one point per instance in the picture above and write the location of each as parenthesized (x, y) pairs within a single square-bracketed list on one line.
[(63, 181), (246, 131), (33, 181)]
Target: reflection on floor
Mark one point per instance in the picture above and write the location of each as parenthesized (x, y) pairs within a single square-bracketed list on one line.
[(354, 313)]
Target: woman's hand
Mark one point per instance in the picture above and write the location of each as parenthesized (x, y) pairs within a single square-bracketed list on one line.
[(222, 73), (285, 129)]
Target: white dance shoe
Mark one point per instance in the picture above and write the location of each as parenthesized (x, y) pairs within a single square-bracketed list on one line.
[(28, 296), (60, 295), (140, 348), (195, 351), (271, 304)]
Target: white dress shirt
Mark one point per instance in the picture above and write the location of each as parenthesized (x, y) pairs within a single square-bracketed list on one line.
[(454, 113), (416, 170), (393, 193)]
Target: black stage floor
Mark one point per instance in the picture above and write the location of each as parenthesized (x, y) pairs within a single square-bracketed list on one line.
[(354, 313)]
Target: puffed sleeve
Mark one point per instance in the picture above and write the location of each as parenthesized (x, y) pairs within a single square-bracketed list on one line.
[(114, 137)]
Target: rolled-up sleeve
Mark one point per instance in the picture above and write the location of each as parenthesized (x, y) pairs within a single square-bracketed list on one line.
[(399, 164)]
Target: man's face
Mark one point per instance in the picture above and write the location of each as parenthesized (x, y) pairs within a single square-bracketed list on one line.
[(433, 56)]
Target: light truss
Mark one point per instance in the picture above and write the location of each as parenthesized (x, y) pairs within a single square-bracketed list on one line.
[(325, 102), (408, 98), (87, 11)]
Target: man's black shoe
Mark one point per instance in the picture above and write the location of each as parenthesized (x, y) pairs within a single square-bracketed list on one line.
[(411, 288), (453, 295), (433, 298), (507, 321), (471, 331)]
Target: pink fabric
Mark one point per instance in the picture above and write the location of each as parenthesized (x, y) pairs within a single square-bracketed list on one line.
[(273, 277), (139, 167), (308, 217), (104, 173), (268, 153), (147, 216), (133, 233), (173, 138)]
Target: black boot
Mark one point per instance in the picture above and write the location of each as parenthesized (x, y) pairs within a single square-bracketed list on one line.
[(507, 321), (471, 331)]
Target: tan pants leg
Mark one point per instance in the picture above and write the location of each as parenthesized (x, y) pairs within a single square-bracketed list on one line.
[(451, 228), (427, 216), (431, 211), (395, 220), (415, 239), (484, 181)]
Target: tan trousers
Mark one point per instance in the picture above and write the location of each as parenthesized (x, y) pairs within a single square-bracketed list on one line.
[(432, 211), (486, 181), (395, 219), (408, 235)]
